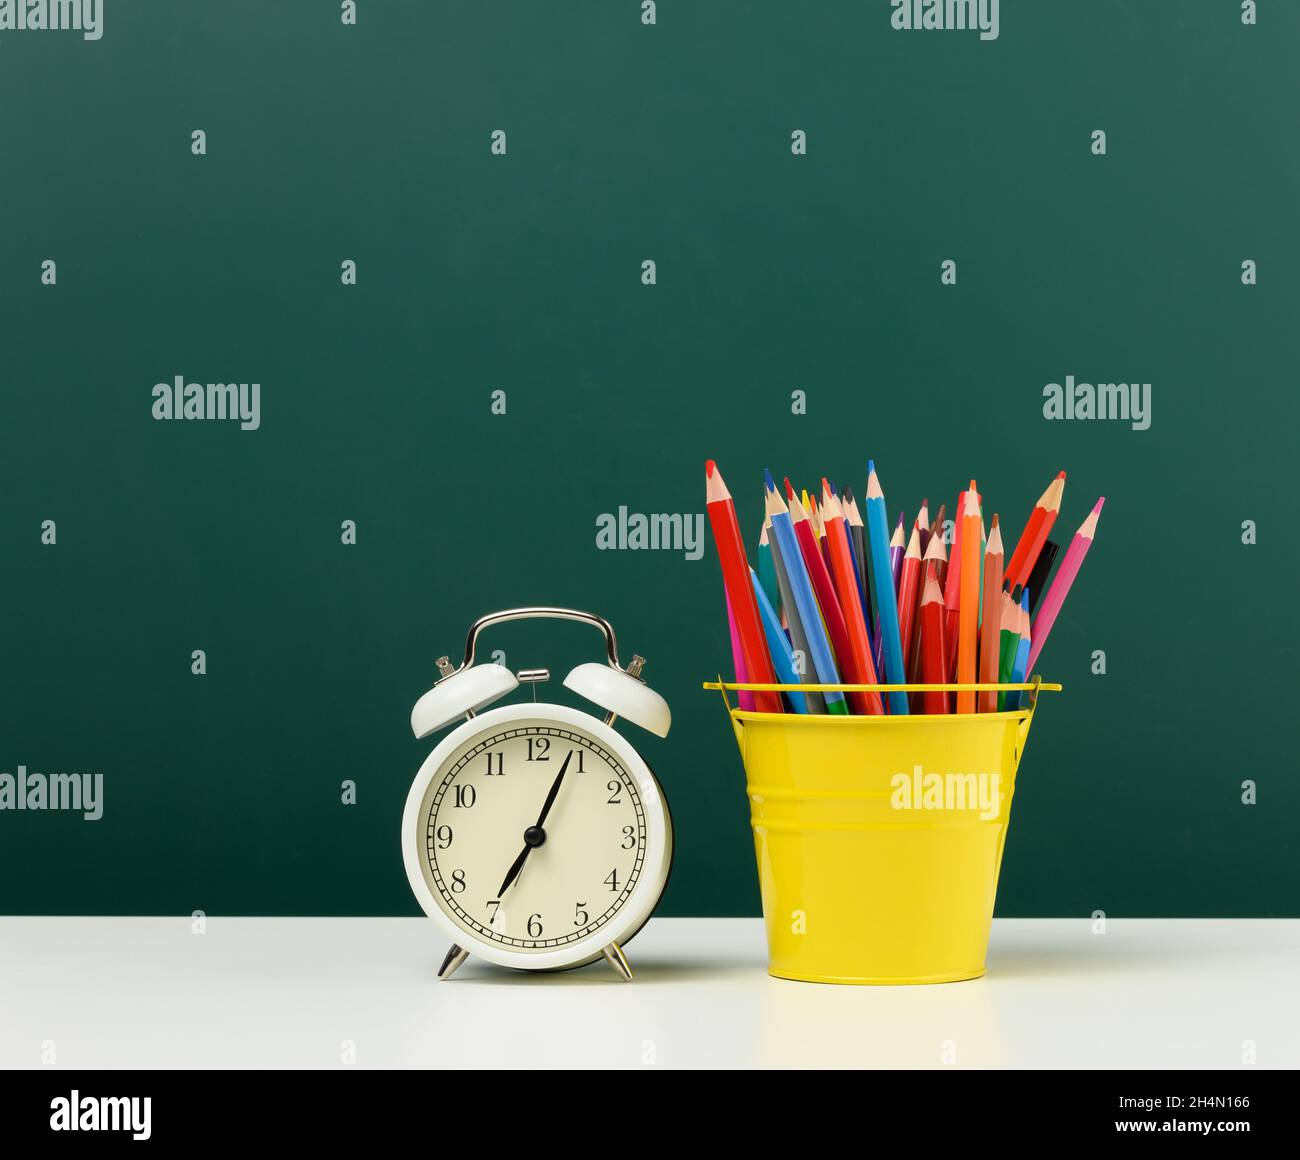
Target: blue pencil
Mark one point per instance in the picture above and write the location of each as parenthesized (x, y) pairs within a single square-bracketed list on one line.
[(1021, 664), (878, 530), (798, 638), (778, 645), (805, 602)]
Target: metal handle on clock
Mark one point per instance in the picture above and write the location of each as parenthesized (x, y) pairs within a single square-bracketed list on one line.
[(542, 612)]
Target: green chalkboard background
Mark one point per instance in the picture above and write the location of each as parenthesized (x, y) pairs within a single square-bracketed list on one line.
[(522, 273)]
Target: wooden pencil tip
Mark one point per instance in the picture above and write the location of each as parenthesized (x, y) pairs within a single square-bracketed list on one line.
[(1097, 506), (709, 468)]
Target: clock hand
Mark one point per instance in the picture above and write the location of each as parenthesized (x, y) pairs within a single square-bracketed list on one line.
[(535, 835), (555, 789), (513, 872)]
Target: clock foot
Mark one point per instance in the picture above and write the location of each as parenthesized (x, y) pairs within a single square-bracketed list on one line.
[(615, 958), (455, 956)]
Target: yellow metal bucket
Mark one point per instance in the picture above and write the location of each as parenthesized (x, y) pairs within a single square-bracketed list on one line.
[(879, 839)]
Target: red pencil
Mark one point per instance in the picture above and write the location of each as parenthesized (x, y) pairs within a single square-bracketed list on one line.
[(832, 613), (934, 666), (909, 585), (739, 587), (1035, 534), (933, 567), (846, 585)]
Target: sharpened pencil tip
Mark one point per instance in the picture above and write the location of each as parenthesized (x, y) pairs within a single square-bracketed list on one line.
[(768, 481), (709, 468), (789, 488), (871, 467), (1097, 506), (1061, 476)]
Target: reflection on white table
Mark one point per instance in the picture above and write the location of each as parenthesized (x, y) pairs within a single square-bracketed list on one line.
[(328, 993)]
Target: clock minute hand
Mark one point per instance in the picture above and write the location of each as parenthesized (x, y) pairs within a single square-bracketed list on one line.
[(534, 832), (555, 789)]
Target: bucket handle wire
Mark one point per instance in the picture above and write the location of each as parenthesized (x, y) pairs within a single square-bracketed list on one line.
[(1033, 688)]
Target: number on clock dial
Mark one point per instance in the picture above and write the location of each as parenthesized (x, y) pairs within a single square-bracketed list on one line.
[(493, 790)]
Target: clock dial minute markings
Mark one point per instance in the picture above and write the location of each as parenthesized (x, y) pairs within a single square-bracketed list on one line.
[(534, 836)]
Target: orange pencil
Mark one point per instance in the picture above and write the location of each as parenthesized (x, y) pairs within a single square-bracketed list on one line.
[(739, 587), (1035, 534), (968, 609), (934, 666), (846, 586), (832, 613), (991, 625)]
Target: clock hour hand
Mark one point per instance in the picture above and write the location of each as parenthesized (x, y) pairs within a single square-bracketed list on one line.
[(513, 872), (534, 836)]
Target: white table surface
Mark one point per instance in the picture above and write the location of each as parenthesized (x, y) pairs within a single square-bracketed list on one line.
[(314, 992)]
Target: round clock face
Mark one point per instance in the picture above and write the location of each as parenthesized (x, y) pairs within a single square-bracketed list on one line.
[(534, 835)]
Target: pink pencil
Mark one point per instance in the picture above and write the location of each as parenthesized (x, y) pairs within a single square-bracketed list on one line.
[(1060, 589), (738, 659)]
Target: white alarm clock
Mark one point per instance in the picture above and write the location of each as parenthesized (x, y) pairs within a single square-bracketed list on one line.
[(534, 835)]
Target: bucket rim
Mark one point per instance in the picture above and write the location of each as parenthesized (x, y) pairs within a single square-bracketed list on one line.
[(911, 687), (1033, 687), (806, 720)]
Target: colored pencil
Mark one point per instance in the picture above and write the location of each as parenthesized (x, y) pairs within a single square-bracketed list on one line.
[(735, 578), (990, 624), (952, 590), (778, 645), (934, 667), (909, 591), (858, 533), (829, 603), (807, 671), (803, 595), (846, 587), (738, 661), (968, 609), (923, 526), (1037, 582), (1034, 536), (878, 528), (1008, 641), (766, 569), (897, 547), (855, 546), (1065, 575), (933, 567), (936, 528), (1020, 666)]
